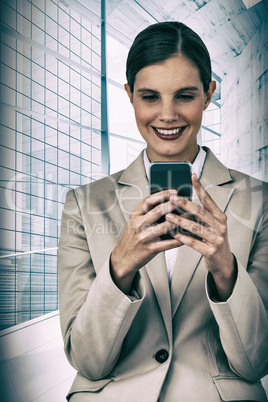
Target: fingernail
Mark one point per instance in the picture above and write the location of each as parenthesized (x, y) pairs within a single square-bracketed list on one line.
[(173, 191), (170, 216), (174, 198)]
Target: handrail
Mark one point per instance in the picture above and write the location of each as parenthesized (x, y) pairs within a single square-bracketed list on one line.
[(44, 250)]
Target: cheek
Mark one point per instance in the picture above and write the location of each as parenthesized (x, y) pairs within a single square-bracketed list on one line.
[(195, 114), (143, 115)]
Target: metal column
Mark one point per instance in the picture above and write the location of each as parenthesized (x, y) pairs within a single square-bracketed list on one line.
[(105, 149)]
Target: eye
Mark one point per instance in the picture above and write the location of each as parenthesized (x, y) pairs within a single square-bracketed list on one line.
[(150, 98), (185, 97)]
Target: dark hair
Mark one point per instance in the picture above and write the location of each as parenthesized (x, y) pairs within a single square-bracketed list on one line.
[(159, 42)]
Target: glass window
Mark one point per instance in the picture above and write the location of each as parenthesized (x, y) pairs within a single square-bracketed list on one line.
[(37, 205), (51, 282), (51, 154), (75, 163), (37, 285), (8, 75), (51, 263), (51, 301), (51, 209), (50, 172), (51, 227), (22, 316), (8, 15), (37, 166), (23, 262), (63, 36), (7, 137), (23, 281), (37, 148), (37, 129), (37, 224), (63, 142), (34, 148), (51, 135), (37, 302), (37, 242), (62, 190), (63, 159), (37, 188), (7, 219), (23, 222), (63, 106), (75, 179), (51, 242), (7, 158), (63, 176), (8, 55)]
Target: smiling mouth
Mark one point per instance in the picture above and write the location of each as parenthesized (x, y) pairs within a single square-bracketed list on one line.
[(171, 133)]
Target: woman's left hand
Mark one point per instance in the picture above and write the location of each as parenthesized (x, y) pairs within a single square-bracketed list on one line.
[(211, 237)]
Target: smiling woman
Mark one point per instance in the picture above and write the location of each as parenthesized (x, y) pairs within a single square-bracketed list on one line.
[(170, 108), (180, 319)]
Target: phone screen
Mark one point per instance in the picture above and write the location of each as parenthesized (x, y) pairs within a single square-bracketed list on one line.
[(171, 175)]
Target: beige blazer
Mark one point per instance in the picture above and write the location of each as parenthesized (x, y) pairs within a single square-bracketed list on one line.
[(171, 344)]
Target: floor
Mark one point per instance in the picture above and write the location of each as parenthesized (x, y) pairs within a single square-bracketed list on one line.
[(33, 366)]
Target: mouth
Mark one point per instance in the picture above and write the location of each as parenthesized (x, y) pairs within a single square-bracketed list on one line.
[(169, 134)]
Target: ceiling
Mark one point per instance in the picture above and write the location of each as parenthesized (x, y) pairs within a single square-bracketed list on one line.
[(226, 26)]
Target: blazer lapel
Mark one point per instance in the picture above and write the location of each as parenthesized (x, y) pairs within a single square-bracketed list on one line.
[(133, 188), (157, 272), (214, 176)]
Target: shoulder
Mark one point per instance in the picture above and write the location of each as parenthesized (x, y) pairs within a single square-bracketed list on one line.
[(247, 183), (97, 194), (222, 175), (133, 173), (104, 184), (250, 189)]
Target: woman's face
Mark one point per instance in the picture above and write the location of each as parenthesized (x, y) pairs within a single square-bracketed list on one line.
[(169, 100)]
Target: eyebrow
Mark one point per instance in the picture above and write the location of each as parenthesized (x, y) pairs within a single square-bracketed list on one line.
[(179, 90)]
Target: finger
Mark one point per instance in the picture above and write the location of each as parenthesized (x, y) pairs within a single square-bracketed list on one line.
[(151, 232), (205, 198), (163, 245), (190, 241), (159, 211), (203, 232), (152, 200), (195, 210)]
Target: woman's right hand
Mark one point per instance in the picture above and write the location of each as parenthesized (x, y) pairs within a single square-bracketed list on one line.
[(140, 241)]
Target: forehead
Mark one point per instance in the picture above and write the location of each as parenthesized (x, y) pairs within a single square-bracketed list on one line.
[(175, 72)]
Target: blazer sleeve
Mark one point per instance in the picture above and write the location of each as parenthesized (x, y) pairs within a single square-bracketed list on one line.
[(242, 319), (95, 315)]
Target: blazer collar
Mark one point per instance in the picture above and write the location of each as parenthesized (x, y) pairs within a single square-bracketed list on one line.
[(133, 184)]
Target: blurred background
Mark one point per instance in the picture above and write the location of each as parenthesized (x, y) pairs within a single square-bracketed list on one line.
[(66, 121)]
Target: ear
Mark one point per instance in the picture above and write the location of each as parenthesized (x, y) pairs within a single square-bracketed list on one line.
[(128, 91), (208, 95)]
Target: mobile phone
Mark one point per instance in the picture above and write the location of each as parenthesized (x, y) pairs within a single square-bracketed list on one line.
[(171, 175)]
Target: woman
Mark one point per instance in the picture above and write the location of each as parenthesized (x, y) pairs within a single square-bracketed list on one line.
[(136, 326)]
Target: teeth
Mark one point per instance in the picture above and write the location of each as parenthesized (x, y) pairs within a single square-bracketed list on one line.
[(168, 132)]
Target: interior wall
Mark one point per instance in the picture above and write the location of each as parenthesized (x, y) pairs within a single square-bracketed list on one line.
[(244, 109)]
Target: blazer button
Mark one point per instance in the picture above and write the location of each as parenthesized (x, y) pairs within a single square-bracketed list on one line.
[(161, 356)]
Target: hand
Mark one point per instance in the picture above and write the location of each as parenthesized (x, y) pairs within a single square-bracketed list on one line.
[(141, 241), (210, 225)]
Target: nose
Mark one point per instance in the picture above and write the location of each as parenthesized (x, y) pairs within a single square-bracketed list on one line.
[(168, 111)]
